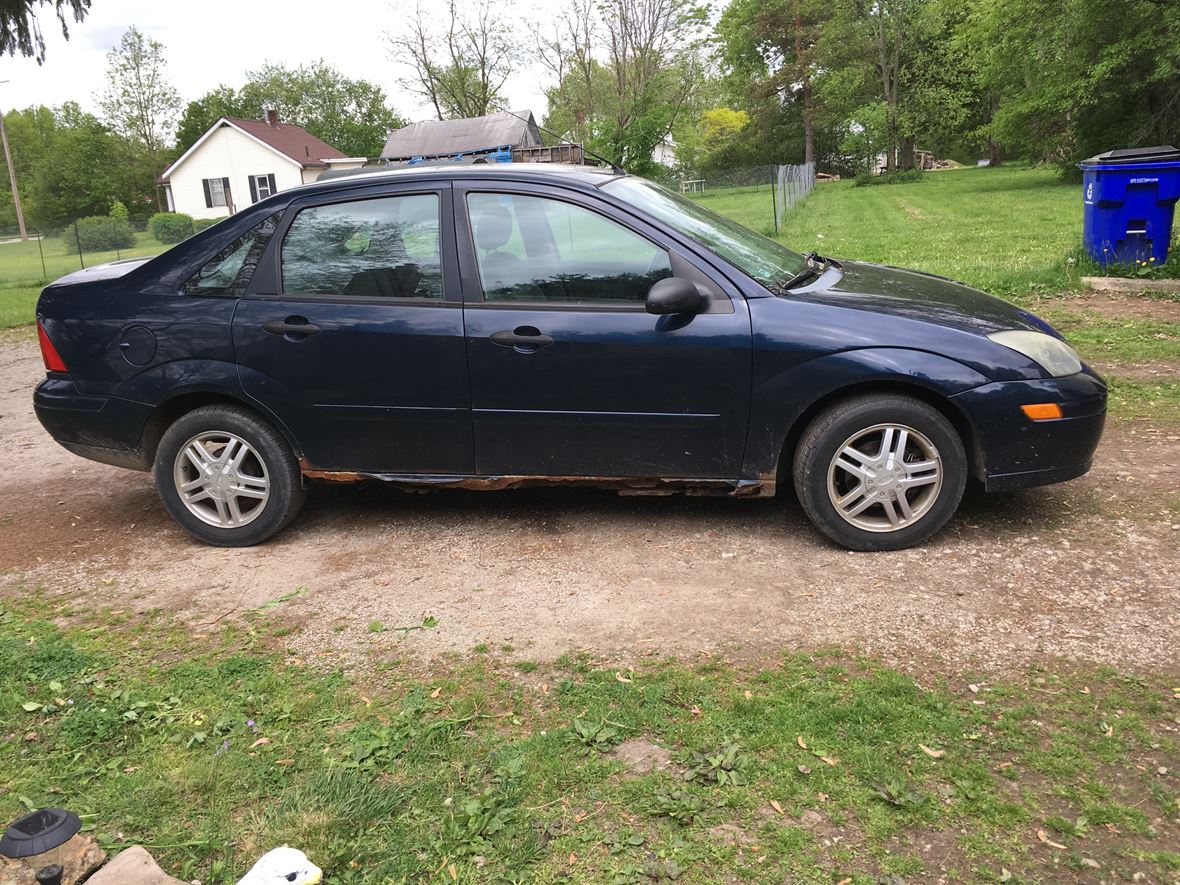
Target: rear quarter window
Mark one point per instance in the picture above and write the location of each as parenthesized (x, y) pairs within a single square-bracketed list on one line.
[(229, 271)]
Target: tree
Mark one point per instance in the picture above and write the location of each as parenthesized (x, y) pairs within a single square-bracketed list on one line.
[(769, 48), (139, 102), (351, 115), (1066, 81), (627, 72), (20, 31), (461, 67), (199, 115), (70, 165)]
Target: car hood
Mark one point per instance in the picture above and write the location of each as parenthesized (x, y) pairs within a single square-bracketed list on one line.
[(109, 271), (920, 296)]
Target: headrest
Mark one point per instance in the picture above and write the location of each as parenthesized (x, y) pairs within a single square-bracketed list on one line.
[(493, 228)]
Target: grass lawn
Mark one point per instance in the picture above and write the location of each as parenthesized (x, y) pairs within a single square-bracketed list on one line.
[(1010, 230), (22, 277), (211, 749)]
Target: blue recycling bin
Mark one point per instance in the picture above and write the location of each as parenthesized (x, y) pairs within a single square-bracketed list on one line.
[(1130, 198)]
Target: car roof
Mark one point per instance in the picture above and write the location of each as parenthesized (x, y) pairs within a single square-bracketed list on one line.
[(593, 176)]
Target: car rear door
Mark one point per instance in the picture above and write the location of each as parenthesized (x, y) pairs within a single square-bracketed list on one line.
[(352, 332), (570, 376)]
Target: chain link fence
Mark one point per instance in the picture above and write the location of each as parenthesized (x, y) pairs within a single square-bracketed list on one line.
[(757, 196)]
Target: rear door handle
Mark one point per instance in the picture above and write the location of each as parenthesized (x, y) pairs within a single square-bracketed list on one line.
[(525, 339), (292, 328)]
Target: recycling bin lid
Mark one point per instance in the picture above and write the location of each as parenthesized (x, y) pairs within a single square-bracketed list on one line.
[(1126, 156)]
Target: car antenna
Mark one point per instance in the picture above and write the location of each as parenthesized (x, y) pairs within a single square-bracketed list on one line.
[(561, 139)]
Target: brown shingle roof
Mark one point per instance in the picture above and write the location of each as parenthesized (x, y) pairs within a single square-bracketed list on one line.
[(294, 141)]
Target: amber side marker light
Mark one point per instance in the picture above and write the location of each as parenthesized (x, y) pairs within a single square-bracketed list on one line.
[(1042, 411)]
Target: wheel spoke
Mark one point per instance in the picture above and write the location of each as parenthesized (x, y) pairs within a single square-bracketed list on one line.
[(235, 512), (855, 469), (903, 504), (886, 443), (890, 511), (222, 511), (197, 483), (853, 452), (196, 453), (897, 452), (248, 491), (864, 504), (913, 482)]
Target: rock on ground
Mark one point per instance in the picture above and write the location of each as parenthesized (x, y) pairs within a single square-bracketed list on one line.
[(134, 866)]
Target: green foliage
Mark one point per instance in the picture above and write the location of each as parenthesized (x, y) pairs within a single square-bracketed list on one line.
[(69, 165), (139, 102), (351, 115), (21, 32), (98, 233), (680, 805), (594, 736), (724, 765), (171, 227)]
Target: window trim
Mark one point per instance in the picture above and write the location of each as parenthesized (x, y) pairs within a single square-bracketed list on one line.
[(720, 300), (257, 182), (183, 288), (267, 286)]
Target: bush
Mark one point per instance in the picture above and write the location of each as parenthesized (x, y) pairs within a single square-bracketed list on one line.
[(171, 227), (897, 176), (201, 223), (98, 233)]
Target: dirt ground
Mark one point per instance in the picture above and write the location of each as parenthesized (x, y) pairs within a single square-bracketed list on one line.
[(1087, 569)]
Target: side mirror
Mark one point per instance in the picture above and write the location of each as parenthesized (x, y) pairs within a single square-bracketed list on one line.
[(675, 295)]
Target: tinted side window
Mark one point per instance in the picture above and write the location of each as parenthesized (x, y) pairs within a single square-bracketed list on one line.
[(380, 248), (537, 249), (229, 271)]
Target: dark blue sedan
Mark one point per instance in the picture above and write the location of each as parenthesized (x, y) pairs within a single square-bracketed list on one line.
[(490, 327)]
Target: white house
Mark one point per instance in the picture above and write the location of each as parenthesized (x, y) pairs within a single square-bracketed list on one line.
[(239, 162)]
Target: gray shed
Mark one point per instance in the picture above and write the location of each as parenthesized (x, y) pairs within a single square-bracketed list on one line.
[(437, 138)]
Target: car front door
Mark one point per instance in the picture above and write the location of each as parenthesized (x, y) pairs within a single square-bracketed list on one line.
[(352, 333), (570, 376)]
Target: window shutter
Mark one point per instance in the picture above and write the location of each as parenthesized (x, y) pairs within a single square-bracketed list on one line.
[(270, 179), (208, 196), (229, 200), (253, 189)]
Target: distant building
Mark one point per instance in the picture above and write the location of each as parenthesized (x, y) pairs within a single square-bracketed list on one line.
[(239, 162), (433, 139)]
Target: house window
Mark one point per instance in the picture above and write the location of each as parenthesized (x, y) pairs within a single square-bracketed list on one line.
[(216, 192), (261, 187)]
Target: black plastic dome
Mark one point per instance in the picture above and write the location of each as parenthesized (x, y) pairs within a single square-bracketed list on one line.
[(39, 832)]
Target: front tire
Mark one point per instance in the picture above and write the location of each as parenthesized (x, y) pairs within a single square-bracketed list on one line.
[(227, 477), (880, 472)]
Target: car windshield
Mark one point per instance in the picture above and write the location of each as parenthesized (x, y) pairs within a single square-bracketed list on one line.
[(766, 260)]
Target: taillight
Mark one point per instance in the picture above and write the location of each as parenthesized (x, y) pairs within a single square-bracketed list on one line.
[(53, 360)]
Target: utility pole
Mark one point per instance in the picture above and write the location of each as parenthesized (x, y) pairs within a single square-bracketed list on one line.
[(20, 215)]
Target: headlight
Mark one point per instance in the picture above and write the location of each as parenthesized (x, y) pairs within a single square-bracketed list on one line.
[(1051, 354)]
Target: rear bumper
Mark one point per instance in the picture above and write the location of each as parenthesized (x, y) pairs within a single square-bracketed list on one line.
[(1017, 452), (101, 428)]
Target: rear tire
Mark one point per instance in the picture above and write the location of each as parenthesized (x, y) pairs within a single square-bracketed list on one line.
[(227, 476), (880, 472)]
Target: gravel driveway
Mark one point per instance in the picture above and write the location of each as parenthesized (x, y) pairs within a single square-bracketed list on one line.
[(1086, 569)]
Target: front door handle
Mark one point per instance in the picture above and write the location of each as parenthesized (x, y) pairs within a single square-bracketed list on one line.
[(525, 339), (292, 328)]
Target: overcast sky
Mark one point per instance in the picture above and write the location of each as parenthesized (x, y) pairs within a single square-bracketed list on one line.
[(217, 41)]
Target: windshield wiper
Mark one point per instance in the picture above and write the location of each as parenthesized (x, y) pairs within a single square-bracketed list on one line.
[(816, 264)]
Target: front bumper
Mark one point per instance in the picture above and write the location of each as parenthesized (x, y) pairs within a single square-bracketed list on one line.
[(101, 428), (1016, 452)]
